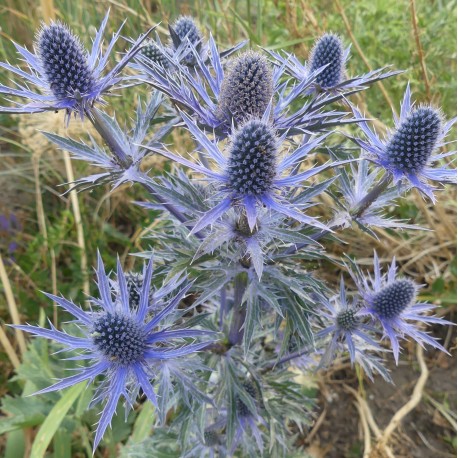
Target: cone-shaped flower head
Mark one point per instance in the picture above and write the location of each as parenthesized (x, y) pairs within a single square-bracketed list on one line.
[(247, 87), (394, 298), (185, 30), (64, 62), (412, 144), (154, 53), (252, 159), (328, 50)]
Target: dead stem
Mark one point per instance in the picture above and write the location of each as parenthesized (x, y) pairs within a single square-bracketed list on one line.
[(421, 56)]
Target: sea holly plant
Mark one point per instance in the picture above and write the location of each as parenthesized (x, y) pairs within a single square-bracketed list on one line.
[(203, 339)]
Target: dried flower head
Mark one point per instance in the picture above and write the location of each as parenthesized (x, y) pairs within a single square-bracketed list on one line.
[(247, 87)]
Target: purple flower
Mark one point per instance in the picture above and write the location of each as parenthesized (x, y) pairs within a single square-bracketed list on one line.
[(325, 69), (407, 153), (391, 301), (66, 75), (253, 174), (154, 53), (122, 340)]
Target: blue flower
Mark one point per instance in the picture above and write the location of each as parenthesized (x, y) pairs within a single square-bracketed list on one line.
[(407, 153), (186, 39), (391, 301), (252, 174), (328, 52), (346, 326), (122, 340), (66, 75), (154, 52), (213, 93)]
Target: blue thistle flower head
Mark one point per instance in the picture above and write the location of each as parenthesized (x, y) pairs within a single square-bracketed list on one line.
[(347, 320), (328, 52), (185, 33), (248, 417), (408, 153), (66, 75), (394, 298), (65, 62), (391, 302), (413, 142), (247, 87), (123, 340), (157, 55), (252, 159)]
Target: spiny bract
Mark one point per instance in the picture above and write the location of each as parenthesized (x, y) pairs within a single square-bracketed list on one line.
[(252, 159), (412, 144), (247, 87), (391, 300), (64, 61), (328, 50)]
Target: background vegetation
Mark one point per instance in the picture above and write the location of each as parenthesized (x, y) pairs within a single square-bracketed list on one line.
[(48, 239)]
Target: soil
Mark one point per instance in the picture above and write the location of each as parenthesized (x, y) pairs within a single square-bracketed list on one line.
[(423, 433)]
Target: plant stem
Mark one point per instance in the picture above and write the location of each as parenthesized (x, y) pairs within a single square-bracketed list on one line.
[(238, 310), (103, 129), (372, 196), (100, 125), (359, 209)]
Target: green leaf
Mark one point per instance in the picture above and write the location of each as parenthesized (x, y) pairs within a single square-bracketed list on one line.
[(143, 423), (15, 444), (62, 444), (54, 419)]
